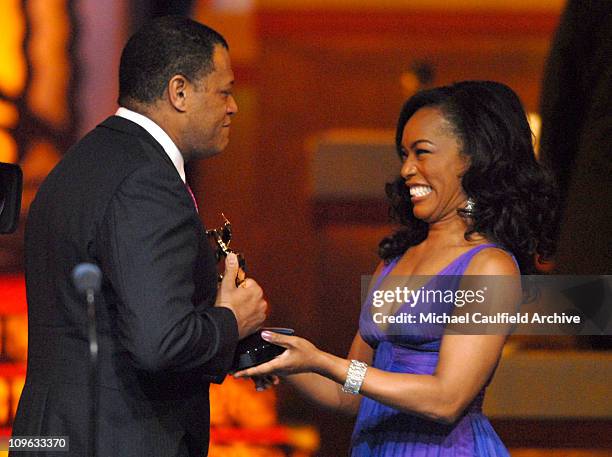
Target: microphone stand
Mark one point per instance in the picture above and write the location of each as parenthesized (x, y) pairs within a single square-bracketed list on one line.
[(93, 374), (87, 279)]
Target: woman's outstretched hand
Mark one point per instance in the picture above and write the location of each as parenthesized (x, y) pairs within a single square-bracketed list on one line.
[(301, 356)]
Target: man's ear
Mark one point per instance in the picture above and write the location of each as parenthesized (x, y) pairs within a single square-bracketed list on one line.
[(178, 88)]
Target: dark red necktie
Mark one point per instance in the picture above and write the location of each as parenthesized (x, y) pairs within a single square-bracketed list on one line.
[(195, 203)]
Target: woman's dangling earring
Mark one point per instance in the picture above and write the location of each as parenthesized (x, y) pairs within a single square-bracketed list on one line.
[(469, 208)]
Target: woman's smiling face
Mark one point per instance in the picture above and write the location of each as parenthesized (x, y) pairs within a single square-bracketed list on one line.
[(433, 166)]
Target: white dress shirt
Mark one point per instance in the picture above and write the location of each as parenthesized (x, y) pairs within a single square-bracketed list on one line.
[(160, 136)]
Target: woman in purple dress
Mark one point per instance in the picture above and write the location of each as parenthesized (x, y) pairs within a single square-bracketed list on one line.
[(472, 202)]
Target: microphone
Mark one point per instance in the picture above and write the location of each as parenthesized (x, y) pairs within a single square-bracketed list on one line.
[(87, 280)]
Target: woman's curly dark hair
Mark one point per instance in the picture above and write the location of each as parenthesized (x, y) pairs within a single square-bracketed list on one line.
[(516, 198)]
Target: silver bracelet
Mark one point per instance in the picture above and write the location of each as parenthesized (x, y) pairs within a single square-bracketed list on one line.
[(354, 377)]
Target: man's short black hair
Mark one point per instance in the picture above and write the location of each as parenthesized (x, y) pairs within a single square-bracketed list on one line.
[(162, 48)]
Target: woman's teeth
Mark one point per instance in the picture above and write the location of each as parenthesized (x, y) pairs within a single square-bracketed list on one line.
[(419, 191)]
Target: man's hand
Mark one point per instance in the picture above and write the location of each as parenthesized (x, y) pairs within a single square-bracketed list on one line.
[(246, 302)]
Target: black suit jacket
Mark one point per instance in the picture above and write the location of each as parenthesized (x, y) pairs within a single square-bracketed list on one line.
[(116, 199), (576, 140)]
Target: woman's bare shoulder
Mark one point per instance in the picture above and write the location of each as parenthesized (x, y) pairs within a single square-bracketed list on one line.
[(493, 261)]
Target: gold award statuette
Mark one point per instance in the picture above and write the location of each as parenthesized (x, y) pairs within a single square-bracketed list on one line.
[(253, 349), (222, 237)]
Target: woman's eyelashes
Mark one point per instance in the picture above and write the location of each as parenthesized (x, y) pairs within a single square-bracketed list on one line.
[(404, 154)]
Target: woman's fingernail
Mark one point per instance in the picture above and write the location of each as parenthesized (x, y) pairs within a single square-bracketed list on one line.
[(267, 335)]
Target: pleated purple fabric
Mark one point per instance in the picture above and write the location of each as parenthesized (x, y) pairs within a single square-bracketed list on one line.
[(382, 431)]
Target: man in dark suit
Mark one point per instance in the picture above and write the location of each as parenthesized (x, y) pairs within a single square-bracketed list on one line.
[(576, 140), (119, 199), (576, 144)]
